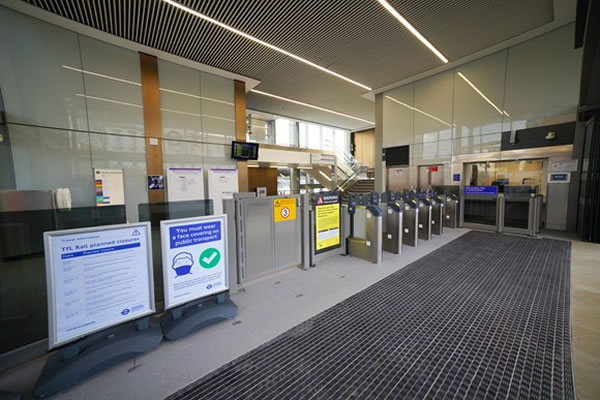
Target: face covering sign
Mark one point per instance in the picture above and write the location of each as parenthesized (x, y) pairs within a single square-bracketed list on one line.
[(194, 253)]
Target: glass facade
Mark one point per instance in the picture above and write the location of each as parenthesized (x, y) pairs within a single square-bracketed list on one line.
[(74, 104)]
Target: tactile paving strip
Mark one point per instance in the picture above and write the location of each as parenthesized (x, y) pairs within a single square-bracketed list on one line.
[(484, 317)]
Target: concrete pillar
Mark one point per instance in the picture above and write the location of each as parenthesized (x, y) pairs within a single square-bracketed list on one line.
[(379, 163)]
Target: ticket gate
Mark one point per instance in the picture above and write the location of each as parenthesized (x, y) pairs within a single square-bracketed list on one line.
[(437, 215), (392, 234), (410, 223), (366, 224), (451, 211), (425, 211)]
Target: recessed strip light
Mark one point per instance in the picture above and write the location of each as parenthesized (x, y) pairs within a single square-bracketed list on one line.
[(310, 105), (502, 112), (195, 96), (109, 100), (412, 29), (419, 111), (114, 78), (270, 46)]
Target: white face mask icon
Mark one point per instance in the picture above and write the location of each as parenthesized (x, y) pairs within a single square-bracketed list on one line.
[(182, 263)]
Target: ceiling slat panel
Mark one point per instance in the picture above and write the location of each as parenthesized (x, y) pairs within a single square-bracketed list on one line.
[(357, 38)]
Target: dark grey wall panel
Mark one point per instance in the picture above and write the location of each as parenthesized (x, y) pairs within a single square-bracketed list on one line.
[(536, 137)]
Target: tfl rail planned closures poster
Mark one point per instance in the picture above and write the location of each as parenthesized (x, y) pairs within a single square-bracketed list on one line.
[(194, 258), (101, 278)]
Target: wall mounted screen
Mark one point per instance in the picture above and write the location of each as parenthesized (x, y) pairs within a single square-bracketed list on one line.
[(97, 278), (244, 151), (395, 156)]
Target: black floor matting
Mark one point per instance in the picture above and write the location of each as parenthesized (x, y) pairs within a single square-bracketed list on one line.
[(486, 316)]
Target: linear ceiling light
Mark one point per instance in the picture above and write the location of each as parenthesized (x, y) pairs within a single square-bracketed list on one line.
[(502, 112), (311, 106), (412, 30), (270, 46), (113, 78), (419, 111)]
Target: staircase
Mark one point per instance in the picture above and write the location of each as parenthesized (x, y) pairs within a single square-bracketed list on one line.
[(359, 186)]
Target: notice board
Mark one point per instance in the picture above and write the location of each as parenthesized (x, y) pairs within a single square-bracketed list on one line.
[(97, 278), (109, 187), (327, 222), (222, 184), (184, 184), (194, 258)]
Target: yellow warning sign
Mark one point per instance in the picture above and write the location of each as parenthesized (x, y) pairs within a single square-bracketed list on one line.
[(284, 209), (327, 221)]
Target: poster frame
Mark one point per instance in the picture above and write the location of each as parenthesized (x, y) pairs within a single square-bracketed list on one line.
[(50, 279)]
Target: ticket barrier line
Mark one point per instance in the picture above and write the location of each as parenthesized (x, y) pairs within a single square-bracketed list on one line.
[(392, 237), (425, 214), (410, 223), (437, 215)]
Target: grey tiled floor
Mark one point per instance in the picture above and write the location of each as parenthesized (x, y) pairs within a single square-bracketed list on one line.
[(267, 308)]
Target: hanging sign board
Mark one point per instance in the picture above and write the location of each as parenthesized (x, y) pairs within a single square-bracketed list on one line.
[(284, 209), (97, 278), (194, 258), (109, 187), (222, 184), (185, 184), (327, 222)]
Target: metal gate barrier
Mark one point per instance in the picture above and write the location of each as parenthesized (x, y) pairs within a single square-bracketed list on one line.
[(516, 210), (272, 233)]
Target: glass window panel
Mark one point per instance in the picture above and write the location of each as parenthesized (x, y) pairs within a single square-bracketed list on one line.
[(314, 137), (327, 137)]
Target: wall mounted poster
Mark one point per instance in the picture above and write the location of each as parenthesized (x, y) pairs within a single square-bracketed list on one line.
[(109, 187), (185, 184), (222, 184), (97, 278), (194, 258), (327, 222)]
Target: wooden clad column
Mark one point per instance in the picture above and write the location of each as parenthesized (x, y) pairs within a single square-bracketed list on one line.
[(240, 131), (152, 123)]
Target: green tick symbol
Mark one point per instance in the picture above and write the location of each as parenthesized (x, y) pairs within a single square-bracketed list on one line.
[(210, 258)]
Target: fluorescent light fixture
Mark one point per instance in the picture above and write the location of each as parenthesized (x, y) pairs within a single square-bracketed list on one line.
[(325, 175), (109, 100), (419, 111), (502, 112), (310, 105), (304, 167), (412, 29), (113, 78), (195, 96), (256, 40)]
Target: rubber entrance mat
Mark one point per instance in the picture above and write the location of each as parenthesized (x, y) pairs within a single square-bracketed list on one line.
[(486, 316)]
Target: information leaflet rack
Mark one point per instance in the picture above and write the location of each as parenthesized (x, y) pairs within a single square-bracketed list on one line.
[(100, 296), (326, 236), (195, 274)]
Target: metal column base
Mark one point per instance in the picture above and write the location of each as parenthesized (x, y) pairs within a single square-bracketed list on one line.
[(190, 318), (97, 353)]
